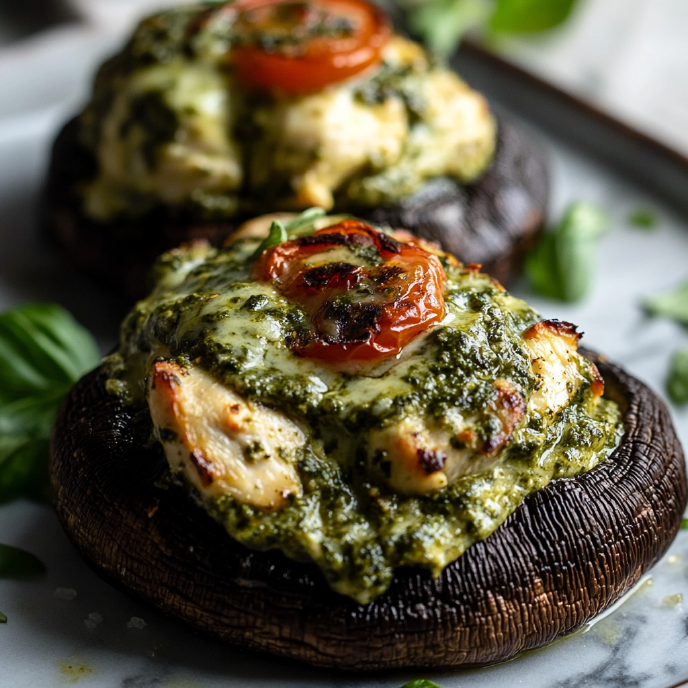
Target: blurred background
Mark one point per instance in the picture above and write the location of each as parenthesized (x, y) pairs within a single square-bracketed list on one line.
[(607, 78), (627, 57)]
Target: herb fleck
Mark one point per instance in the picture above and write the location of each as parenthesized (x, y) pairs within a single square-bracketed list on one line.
[(643, 219), (562, 265), (255, 302), (677, 382), (671, 304)]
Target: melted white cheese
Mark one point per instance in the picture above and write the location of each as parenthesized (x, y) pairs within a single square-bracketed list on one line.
[(202, 157), (320, 140)]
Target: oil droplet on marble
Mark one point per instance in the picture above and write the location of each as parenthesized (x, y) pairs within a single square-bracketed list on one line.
[(673, 600), (73, 670)]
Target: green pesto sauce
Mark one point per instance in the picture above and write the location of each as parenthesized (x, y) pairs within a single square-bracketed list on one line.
[(172, 86), (207, 310)]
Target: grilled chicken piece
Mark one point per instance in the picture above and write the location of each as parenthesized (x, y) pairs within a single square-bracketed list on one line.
[(414, 459), (222, 443), (553, 346), (227, 445)]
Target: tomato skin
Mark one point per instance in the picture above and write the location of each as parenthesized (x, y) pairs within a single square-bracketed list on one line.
[(358, 313), (319, 61)]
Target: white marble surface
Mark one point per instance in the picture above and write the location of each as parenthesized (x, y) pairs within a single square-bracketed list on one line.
[(46, 642)]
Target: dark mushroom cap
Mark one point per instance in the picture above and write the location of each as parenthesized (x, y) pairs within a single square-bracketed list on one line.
[(566, 554), (493, 221)]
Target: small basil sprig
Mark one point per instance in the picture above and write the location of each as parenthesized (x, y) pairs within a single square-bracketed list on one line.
[(276, 235), (43, 352), (304, 223), (281, 231), (684, 524), (562, 265), (420, 683), (530, 16)]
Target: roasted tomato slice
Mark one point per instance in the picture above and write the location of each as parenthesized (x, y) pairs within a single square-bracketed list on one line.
[(368, 294), (302, 47)]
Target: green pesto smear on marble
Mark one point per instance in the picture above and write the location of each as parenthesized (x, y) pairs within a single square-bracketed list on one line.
[(207, 310)]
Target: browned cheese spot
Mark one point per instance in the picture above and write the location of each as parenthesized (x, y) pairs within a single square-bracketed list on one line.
[(431, 461), (203, 467), (597, 386), (509, 407), (559, 328)]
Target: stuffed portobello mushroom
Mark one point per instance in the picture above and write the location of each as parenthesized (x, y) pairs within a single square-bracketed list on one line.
[(213, 113), (341, 445)]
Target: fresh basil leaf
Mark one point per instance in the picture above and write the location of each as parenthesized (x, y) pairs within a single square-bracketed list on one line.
[(277, 235), (43, 352), (677, 382), (670, 304), (3, 618), (684, 524), (643, 219), (18, 564), (530, 16), (281, 231), (562, 265), (304, 221), (31, 414), (420, 683), (40, 345), (24, 467), (442, 23)]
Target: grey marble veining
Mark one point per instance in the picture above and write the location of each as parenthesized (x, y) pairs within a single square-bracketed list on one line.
[(643, 643)]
